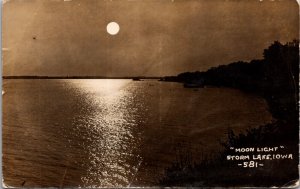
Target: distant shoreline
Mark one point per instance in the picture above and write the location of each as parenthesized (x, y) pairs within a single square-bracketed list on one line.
[(75, 77)]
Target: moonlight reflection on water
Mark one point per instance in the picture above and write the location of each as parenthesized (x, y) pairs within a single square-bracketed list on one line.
[(111, 142)]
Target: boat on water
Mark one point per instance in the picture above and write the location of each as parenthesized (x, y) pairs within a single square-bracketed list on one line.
[(193, 85), (136, 79)]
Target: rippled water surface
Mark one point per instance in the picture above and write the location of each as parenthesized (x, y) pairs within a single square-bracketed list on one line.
[(109, 133)]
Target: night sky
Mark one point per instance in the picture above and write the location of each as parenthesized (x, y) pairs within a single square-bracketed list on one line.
[(156, 37)]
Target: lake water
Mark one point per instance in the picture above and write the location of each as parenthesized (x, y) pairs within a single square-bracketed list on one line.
[(110, 133)]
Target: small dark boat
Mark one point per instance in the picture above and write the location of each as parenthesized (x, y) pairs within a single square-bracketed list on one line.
[(193, 85), (136, 79)]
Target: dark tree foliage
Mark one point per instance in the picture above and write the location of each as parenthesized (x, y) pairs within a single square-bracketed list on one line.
[(275, 78), (282, 79)]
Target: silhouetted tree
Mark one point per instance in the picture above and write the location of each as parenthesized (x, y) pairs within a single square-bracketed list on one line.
[(275, 77)]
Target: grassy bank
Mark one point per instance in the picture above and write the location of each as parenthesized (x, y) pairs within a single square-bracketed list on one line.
[(218, 171)]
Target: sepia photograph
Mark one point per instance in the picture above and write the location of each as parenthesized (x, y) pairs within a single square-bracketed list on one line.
[(150, 93)]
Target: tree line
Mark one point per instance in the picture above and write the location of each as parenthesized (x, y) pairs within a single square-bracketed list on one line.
[(275, 77)]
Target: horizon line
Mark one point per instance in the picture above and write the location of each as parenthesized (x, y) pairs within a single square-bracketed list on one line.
[(78, 77)]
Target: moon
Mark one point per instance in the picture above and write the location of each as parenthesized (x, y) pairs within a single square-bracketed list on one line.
[(113, 28)]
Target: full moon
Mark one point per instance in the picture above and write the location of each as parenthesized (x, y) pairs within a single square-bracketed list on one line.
[(113, 28)]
